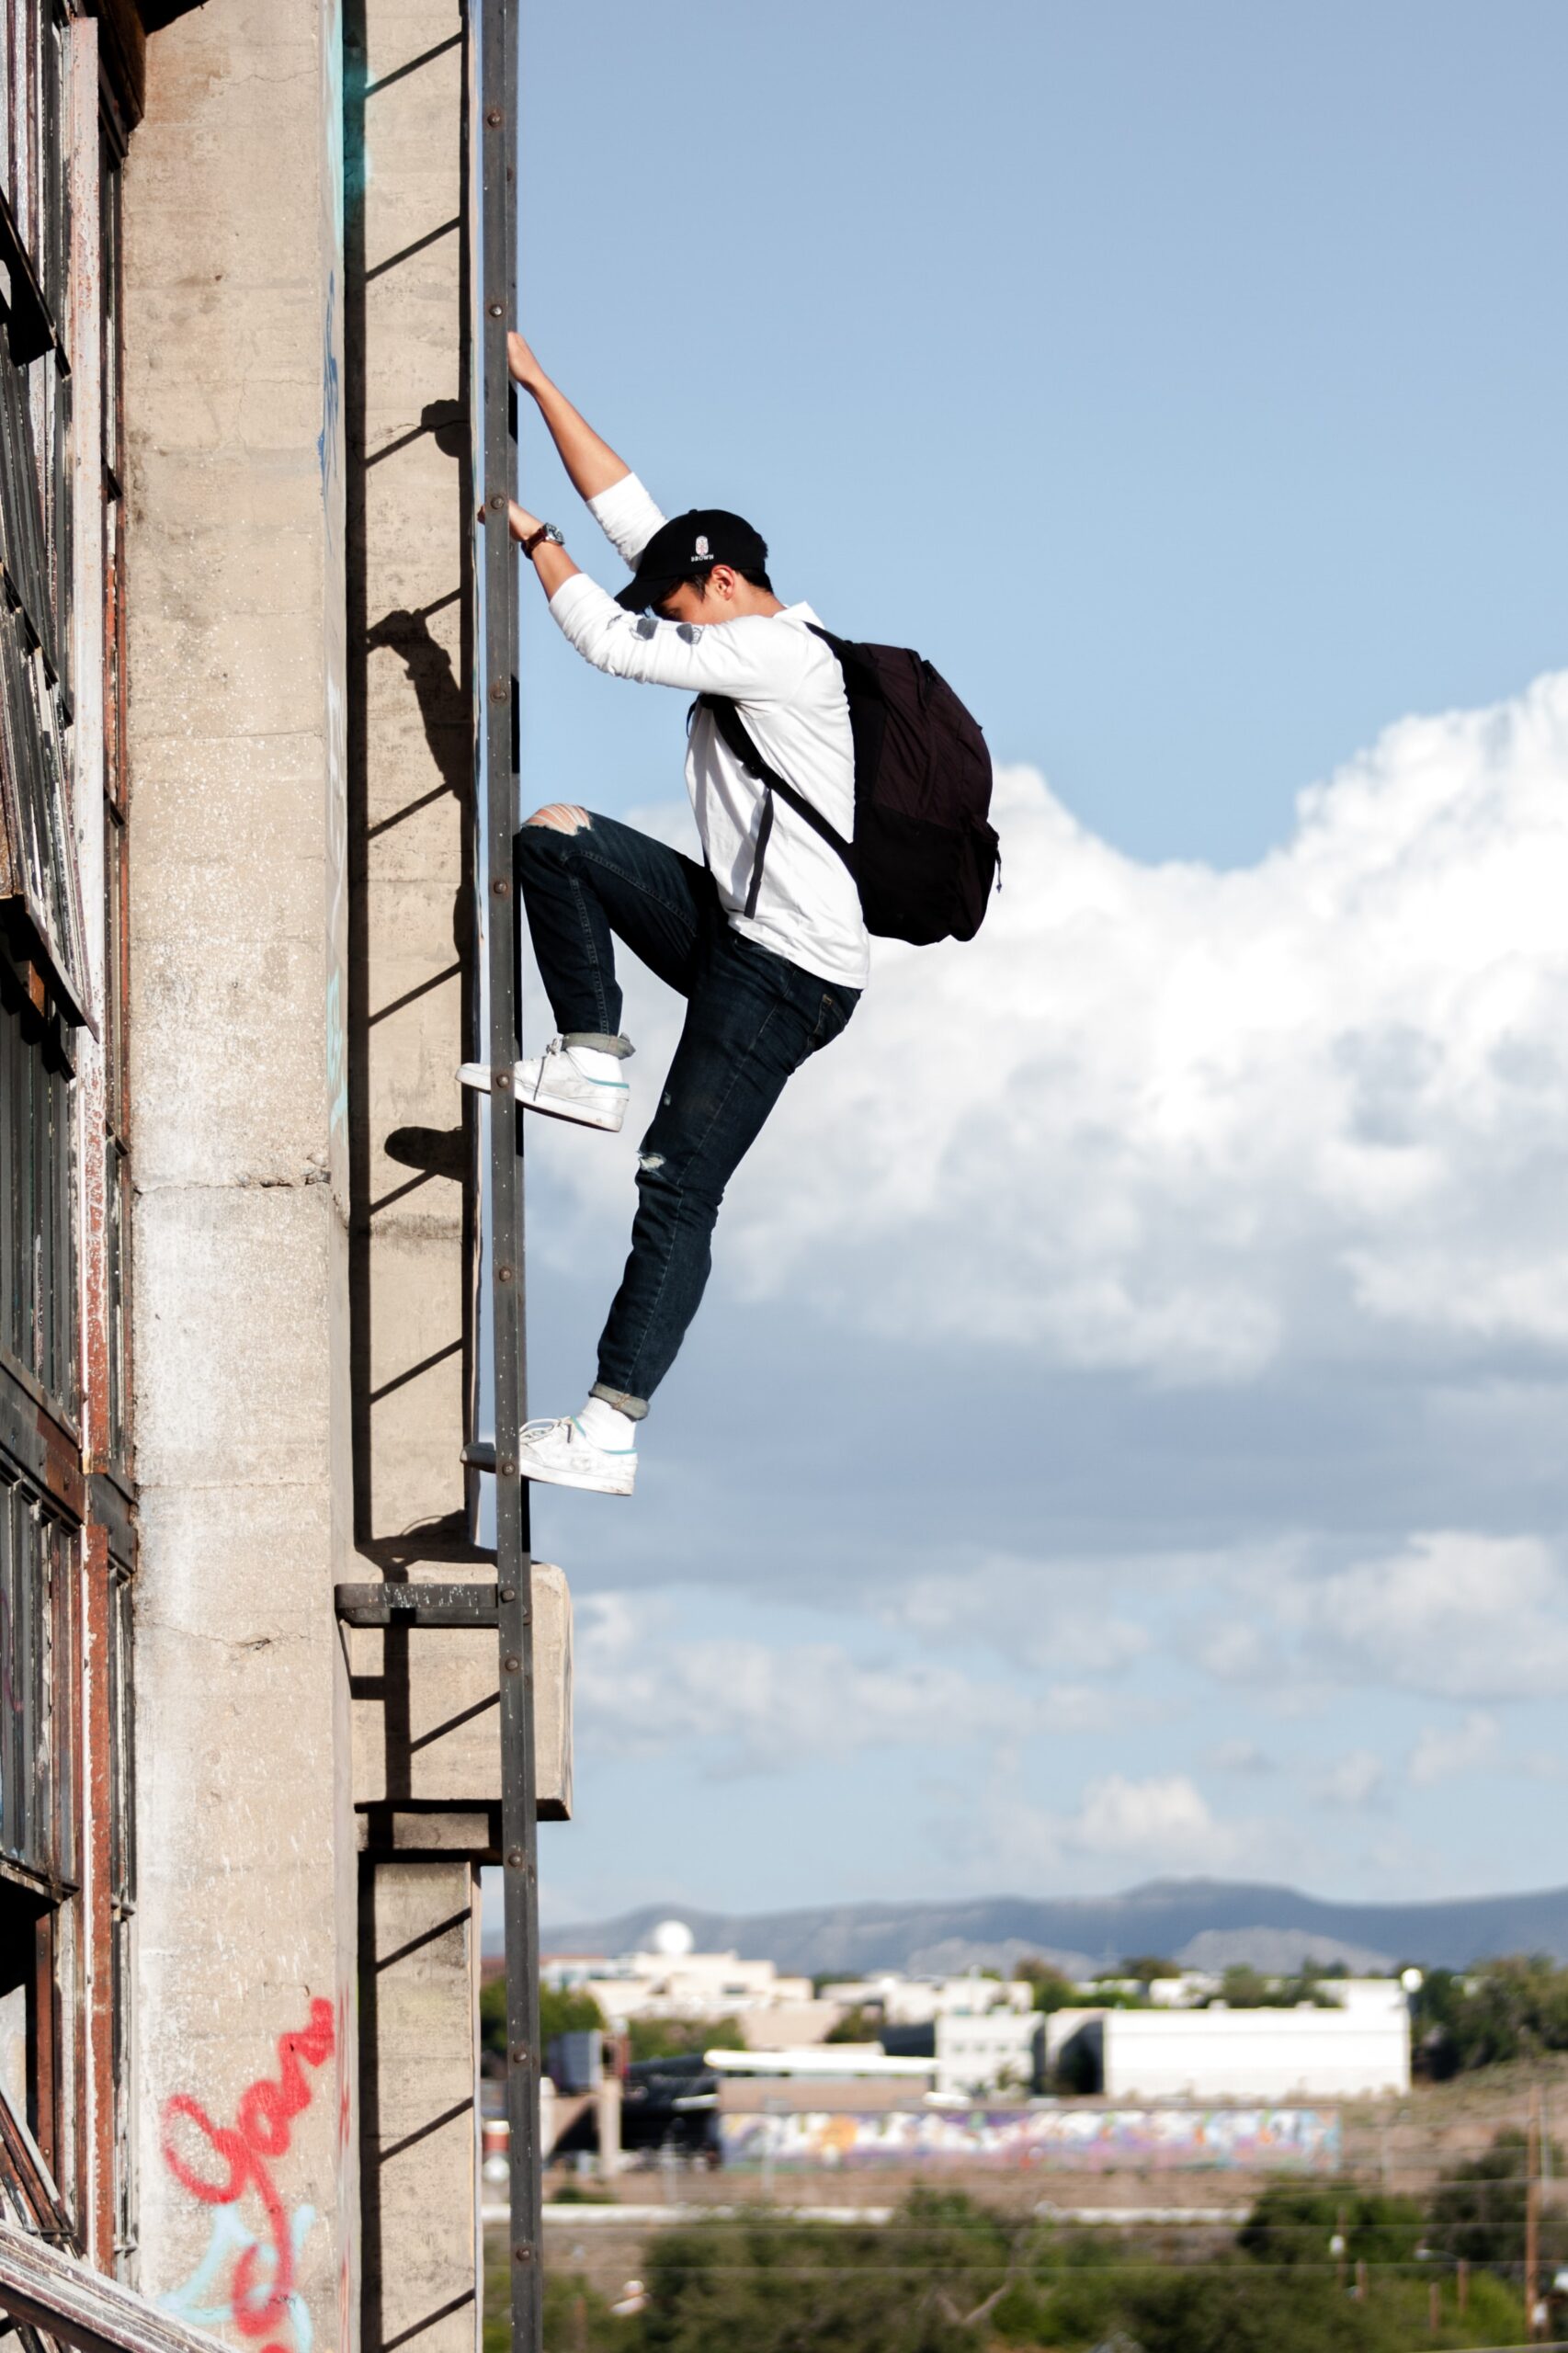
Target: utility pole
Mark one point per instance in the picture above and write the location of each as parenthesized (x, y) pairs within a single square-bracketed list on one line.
[(1532, 2212)]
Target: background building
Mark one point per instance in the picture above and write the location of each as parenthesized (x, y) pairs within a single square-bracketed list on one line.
[(898, 2000), (1269, 2054), (669, 1979)]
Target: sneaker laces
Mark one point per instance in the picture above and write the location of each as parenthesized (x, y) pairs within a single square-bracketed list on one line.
[(539, 1065), (531, 1431)]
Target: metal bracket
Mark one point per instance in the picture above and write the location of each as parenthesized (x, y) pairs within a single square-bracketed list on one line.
[(463, 1605)]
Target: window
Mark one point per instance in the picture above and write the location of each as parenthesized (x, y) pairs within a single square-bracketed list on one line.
[(29, 1825), (66, 1527), (38, 1266), (122, 1898)]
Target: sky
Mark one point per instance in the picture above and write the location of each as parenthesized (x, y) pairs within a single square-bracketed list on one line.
[(1122, 1437)]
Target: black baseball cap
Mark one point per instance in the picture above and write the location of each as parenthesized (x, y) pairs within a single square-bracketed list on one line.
[(708, 535)]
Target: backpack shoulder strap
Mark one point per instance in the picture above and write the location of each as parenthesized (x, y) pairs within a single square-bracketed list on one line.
[(737, 735)]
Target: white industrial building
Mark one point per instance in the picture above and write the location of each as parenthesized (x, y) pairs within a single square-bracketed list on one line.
[(993, 2050), (1351, 2051)]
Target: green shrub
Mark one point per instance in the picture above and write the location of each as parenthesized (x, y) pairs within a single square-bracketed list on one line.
[(1477, 2210), (856, 2025), (559, 2013), (1513, 2008), (1293, 2221), (674, 2037)]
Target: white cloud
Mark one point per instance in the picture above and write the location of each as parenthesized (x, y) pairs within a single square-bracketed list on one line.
[(1451, 1613), (1353, 1782), (1441, 1752), (1243, 1758), (1194, 1122), (1053, 1614), (641, 1686), (1457, 1614), (1164, 1819), (1121, 1829)]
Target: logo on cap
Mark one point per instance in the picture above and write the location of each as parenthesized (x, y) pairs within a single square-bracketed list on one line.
[(702, 544)]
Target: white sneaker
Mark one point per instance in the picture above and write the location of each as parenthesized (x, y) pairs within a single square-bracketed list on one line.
[(567, 1082), (559, 1453)]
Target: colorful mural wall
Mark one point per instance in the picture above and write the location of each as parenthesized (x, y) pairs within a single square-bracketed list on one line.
[(1065, 2140)]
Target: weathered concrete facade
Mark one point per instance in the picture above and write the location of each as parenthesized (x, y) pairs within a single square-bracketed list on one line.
[(314, 1804), (248, 1910)]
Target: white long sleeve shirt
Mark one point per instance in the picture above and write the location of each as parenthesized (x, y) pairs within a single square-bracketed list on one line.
[(789, 691)]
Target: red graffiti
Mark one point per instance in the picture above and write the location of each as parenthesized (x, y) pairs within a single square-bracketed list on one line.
[(260, 2131)]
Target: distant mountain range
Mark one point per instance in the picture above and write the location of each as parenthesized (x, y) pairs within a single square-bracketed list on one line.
[(1205, 1922)]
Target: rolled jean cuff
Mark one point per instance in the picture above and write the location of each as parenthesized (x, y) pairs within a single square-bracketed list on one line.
[(601, 1043), (634, 1408)]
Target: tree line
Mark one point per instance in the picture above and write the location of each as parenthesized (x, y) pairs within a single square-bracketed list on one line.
[(1513, 2007), (1319, 2266)]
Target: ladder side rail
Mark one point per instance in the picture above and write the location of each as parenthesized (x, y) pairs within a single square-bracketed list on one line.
[(496, 135)]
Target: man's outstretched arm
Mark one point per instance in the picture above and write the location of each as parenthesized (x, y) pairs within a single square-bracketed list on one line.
[(591, 463), (629, 522)]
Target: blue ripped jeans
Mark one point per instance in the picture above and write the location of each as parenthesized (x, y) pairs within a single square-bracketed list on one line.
[(752, 1018)]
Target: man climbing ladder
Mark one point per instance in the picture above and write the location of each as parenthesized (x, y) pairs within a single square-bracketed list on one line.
[(765, 940)]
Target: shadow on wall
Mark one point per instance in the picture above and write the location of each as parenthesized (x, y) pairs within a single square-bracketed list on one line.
[(434, 1156)]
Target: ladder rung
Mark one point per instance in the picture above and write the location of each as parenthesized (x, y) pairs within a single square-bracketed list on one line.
[(468, 1603)]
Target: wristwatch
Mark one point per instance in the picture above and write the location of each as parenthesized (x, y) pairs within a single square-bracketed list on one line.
[(546, 531)]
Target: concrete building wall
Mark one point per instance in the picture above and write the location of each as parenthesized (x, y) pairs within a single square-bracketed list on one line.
[(247, 1908), (314, 1804), (418, 2021)]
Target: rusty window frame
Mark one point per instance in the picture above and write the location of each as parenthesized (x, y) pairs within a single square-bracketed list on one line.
[(122, 1898), (36, 509), (46, 1504), (117, 1189), (41, 1682), (117, 928), (39, 1656), (37, 1227)]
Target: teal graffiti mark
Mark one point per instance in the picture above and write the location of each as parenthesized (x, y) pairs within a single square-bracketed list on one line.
[(205, 2300), (328, 442), (329, 455), (336, 1053), (262, 2133)]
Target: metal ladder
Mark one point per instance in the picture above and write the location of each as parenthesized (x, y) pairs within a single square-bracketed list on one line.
[(507, 1605)]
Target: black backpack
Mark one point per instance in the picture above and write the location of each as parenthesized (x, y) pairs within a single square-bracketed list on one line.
[(923, 857)]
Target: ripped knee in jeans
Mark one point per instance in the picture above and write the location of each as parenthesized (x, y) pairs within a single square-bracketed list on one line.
[(561, 817)]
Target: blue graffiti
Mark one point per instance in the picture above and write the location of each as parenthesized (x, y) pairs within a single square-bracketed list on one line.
[(203, 2301), (332, 393)]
